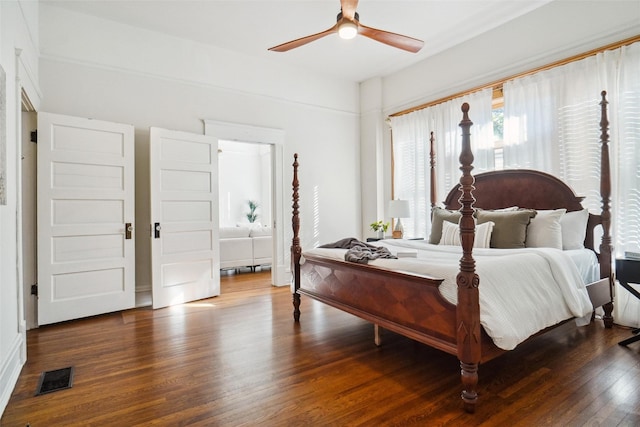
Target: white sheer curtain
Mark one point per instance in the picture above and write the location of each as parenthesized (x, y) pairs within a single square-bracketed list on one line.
[(551, 123), (411, 134), (625, 124), (411, 168)]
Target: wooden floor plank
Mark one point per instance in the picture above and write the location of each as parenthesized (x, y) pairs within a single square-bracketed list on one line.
[(239, 359)]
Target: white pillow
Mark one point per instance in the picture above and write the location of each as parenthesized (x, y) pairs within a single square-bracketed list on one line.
[(451, 234), (574, 229), (544, 230)]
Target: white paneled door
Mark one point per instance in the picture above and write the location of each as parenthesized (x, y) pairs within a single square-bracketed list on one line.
[(184, 217), (86, 245)]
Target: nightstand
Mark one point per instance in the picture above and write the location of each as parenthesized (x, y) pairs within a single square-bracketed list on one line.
[(628, 271)]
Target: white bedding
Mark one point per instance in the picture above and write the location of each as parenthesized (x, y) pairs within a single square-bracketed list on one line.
[(522, 291)]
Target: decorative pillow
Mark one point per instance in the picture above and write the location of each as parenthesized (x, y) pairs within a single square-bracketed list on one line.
[(451, 234), (574, 229), (510, 229), (544, 230), (438, 216)]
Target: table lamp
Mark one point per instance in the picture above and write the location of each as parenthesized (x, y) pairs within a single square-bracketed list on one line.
[(399, 209)]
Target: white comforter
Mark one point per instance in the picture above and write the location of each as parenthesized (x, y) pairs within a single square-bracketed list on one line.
[(522, 291)]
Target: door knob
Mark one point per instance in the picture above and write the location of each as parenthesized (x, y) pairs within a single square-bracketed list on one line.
[(128, 230)]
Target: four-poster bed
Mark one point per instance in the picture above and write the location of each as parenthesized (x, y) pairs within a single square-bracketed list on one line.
[(417, 304)]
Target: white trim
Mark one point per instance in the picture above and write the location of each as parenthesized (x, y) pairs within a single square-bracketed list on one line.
[(18, 218), (199, 84), (10, 370), (274, 137)]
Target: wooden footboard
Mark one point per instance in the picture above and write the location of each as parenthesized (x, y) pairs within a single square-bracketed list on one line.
[(409, 304)]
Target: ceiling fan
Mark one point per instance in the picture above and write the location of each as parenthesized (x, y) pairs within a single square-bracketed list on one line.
[(348, 26)]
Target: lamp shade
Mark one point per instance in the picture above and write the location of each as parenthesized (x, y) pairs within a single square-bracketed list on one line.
[(399, 209)]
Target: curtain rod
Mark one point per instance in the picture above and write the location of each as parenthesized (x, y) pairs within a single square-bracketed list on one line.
[(559, 63)]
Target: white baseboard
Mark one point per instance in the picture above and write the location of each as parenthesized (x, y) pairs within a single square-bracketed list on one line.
[(143, 296), (10, 371)]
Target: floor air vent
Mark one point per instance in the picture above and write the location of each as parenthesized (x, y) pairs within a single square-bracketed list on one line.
[(51, 381)]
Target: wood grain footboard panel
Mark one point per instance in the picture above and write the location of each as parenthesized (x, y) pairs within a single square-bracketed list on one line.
[(409, 304)]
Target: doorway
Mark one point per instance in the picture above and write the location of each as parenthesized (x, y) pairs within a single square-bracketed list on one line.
[(269, 142), (245, 216)]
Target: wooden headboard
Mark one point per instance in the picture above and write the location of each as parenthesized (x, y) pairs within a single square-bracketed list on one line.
[(525, 188), (518, 187)]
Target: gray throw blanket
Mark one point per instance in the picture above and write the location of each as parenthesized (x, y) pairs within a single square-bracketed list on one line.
[(358, 251)]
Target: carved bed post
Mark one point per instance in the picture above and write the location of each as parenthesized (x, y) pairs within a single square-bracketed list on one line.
[(296, 250), (468, 309), (432, 167), (605, 193)]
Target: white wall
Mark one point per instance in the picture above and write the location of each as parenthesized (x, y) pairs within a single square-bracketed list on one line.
[(18, 30), (372, 130), (555, 31), (96, 68)]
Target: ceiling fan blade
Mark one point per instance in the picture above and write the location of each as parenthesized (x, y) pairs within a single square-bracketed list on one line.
[(349, 8), (304, 40), (392, 39)]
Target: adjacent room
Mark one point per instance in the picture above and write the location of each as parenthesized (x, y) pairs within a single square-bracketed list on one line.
[(290, 213)]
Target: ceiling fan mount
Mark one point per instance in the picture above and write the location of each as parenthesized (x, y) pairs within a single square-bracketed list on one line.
[(348, 26), (356, 17)]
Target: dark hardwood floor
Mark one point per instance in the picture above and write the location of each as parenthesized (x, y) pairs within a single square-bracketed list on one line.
[(240, 360)]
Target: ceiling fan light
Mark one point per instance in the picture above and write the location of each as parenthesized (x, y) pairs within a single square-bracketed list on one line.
[(347, 30)]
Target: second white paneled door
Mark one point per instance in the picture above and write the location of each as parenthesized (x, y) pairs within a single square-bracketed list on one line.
[(86, 245), (184, 217)]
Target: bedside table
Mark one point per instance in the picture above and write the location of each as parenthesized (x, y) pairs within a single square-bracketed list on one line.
[(628, 271)]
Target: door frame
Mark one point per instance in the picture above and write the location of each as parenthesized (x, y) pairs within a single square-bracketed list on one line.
[(28, 262), (27, 95), (274, 137)]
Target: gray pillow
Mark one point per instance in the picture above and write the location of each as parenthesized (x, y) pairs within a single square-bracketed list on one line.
[(510, 230), (437, 216)]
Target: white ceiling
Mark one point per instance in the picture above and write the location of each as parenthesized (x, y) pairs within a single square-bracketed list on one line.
[(251, 27)]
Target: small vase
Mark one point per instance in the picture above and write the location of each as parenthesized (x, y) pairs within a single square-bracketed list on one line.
[(380, 234)]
